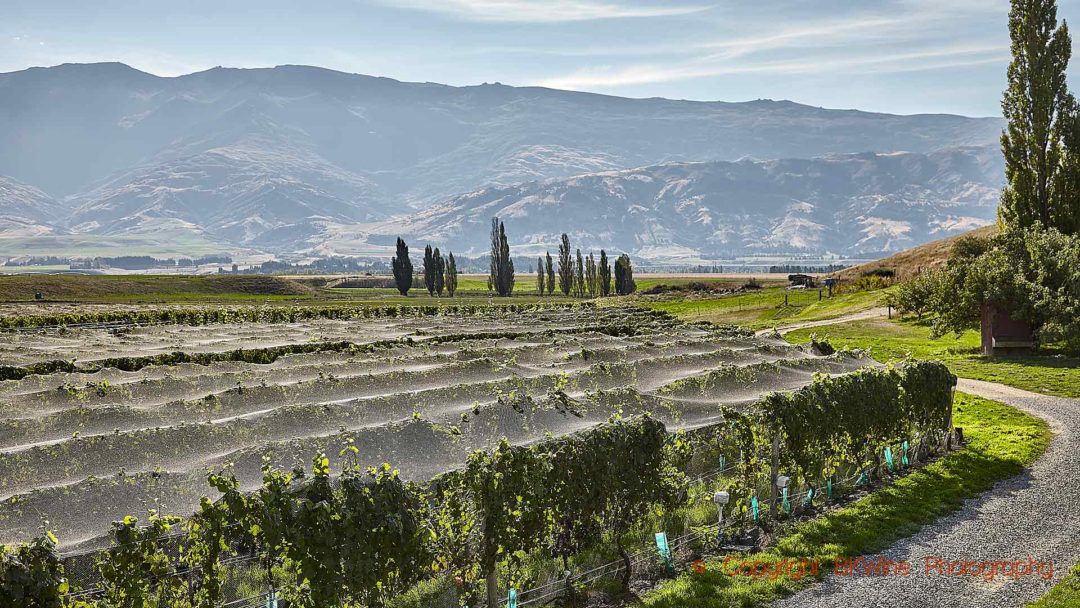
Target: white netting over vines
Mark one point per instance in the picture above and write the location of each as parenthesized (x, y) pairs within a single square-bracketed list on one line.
[(83, 449)]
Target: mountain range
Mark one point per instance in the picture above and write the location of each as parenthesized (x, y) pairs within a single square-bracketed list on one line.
[(297, 161)]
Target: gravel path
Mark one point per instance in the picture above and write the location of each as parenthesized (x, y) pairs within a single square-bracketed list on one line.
[(1035, 515), (872, 313)]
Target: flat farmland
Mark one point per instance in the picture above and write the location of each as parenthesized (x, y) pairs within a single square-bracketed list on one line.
[(138, 426)]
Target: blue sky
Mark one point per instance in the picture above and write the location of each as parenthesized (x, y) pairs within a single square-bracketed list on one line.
[(903, 56)]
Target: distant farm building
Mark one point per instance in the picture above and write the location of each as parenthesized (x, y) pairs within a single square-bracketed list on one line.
[(802, 280)]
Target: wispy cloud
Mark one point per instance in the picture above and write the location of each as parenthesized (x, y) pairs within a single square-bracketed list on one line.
[(892, 39), (927, 59), (543, 11)]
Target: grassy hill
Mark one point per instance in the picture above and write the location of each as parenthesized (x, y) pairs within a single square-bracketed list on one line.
[(908, 263)]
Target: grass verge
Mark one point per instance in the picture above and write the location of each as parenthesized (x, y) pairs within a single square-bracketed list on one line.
[(1049, 374), (1065, 594), (1002, 441), (766, 308)]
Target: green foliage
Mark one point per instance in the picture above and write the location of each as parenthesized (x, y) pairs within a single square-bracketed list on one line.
[(137, 572), (865, 411), (431, 268), (31, 575), (604, 275), (451, 280), (540, 276), (1040, 163), (624, 276), (1034, 273), (566, 266), (403, 268), (501, 276), (550, 271)]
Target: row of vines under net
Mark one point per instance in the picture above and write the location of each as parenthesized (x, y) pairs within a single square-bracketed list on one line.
[(516, 525), (208, 315)]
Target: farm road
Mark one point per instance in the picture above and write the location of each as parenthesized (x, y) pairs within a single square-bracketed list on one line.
[(872, 313), (1035, 515)]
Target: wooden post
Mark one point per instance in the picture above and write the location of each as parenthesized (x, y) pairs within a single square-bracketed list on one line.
[(773, 474)]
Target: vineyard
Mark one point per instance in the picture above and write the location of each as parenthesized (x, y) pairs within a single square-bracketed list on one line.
[(512, 432)]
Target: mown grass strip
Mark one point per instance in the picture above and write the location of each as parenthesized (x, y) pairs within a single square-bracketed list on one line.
[(1048, 373), (1002, 441), (1065, 594)]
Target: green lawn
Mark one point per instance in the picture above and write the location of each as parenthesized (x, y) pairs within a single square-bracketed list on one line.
[(766, 308), (1065, 594), (1050, 374), (1002, 441)]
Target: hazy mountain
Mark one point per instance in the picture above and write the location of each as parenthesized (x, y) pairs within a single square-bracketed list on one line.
[(274, 158), (855, 204), (25, 210)]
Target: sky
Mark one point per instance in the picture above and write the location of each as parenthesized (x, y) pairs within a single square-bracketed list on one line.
[(899, 56)]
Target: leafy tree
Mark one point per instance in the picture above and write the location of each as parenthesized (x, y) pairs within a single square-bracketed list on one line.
[(430, 269), (916, 296), (1040, 112), (591, 279), (540, 276), (439, 274), (566, 266), (451, 275), (579, 276), (624, 276), (403, 268), (550, 271), (501, 277), (604, 272), (1033, 273)]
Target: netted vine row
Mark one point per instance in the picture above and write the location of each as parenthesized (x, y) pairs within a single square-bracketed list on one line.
[(268, 355), (267, 314), (368, 535)]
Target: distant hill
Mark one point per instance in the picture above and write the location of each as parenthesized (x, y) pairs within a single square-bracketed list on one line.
[(276, 159), (856, 205)]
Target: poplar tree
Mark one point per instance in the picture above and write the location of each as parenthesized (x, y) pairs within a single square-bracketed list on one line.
[(590, 275), (566, 266), (439, 272), (501, 276), (429, 270), (403, 269), (579, 277), (624, 276), (451, 275), (550, 273), (1040, 112), (604, 277), (540, 276)]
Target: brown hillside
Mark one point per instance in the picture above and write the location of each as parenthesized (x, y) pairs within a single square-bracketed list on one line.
[(909, 262)]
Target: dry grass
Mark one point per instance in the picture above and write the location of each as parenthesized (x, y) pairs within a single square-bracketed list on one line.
[(909, 263)]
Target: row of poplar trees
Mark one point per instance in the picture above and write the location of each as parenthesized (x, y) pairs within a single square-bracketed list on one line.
[(579, 277), (583, 276), (440, 273)]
